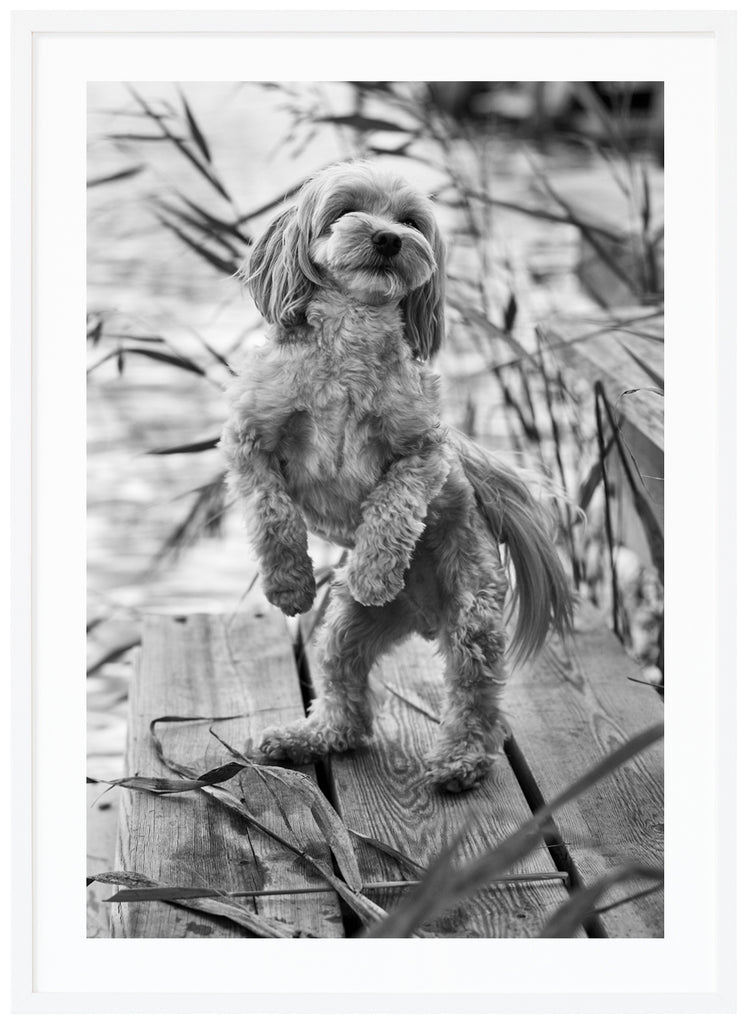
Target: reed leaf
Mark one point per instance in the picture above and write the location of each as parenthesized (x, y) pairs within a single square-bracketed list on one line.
[(181, 145), (220, 225), (213, 902), (139, 137), (649, 522), (401, 858), (655, 377), (368, 911), (541, 213), (168, 892), (114, 654), (204, 518), (199, 224), (329, 822), (194, 128), (171, 358), (151, 339), (582, 904), (475, 316), (127, 172), (193, 446), (445, 883), (217, 262), (149, 784), (361, 123), (217, 356)]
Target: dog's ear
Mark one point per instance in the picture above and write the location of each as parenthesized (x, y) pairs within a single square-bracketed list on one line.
[(274, 272), (424, 308)]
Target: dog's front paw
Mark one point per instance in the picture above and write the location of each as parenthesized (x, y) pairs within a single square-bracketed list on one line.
[(309, 740), (458, 772), (292, 594), (295, 743), (371, 587)]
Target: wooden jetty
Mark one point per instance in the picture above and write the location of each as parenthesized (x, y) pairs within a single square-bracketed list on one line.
[(261, 857), (574, 705)]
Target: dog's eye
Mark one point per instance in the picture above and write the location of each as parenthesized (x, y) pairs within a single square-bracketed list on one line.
[(408, 223)]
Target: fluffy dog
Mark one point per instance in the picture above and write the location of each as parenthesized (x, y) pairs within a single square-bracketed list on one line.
[(335, 428)]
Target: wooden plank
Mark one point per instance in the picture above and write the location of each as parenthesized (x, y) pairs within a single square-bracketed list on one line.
[(201, 665), (650, 465), (570, 709), (616, 357), (606, 357), (381, 792), (102, 813)]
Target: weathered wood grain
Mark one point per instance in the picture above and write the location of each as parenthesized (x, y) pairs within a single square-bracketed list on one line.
[(568, 710), (595, 351), (102, 811), (213, 666), (381, 792), (606, 357)]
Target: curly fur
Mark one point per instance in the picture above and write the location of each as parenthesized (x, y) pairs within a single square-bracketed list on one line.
[(335, 427)]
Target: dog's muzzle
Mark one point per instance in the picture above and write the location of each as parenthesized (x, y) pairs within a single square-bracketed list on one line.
[(386, 243)]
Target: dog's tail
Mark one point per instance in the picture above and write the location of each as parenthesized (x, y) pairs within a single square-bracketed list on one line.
[(517, 519)]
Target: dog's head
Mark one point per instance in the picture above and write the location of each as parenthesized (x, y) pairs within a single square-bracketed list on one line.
[(366, 234)]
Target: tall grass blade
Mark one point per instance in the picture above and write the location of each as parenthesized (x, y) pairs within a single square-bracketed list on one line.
[(204, 518), (194, 446), (649, 522), (543, 214), (445, 883), (474, 315), (366, 909), (220, 225), (582, 904), (112, 655), (175, 766), (182, 362), (657, 379), (589, 99), (150, 784), (139, 137), (128, 172), (362, 123), (593, 479), (217, 905), (215, 261), (202, 225), (194, 129), (180, 144), (217, 356), (427, 899), (168, 892), (151, 339), (401, 858), (324, 814)]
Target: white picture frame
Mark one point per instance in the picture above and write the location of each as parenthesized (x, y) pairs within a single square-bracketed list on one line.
[(55, 968)]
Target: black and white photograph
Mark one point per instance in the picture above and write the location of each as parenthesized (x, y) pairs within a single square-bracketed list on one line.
[(375, 509)]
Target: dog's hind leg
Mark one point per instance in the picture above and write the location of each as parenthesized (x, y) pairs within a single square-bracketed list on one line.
[(470, 730), (340, 717), (472, 589)]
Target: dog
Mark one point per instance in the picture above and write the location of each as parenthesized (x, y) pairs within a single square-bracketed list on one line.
[(335, 427)]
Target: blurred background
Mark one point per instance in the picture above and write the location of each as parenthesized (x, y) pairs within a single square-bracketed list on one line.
[(550, 195)]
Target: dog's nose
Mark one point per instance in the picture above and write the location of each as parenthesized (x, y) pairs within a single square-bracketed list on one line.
[(387, 243)]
